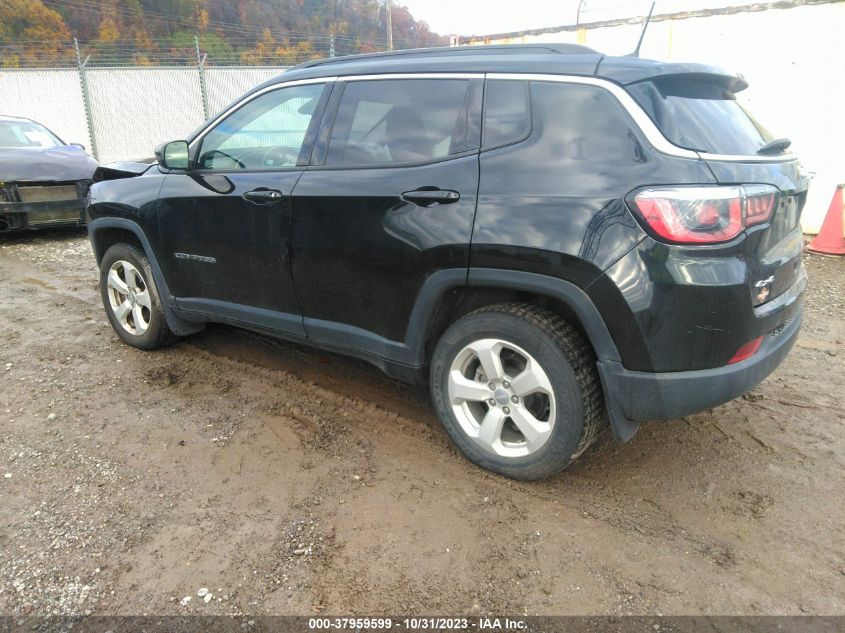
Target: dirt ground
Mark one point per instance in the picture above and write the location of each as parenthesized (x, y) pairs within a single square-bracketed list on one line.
[(281, 480)]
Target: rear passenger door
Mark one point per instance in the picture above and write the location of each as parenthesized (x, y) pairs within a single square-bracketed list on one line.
[(389, 199)]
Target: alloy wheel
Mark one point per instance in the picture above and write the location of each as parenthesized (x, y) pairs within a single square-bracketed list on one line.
[(502, 397), (129, 297)]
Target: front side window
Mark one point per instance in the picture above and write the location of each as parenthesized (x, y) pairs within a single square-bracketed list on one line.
[(268, 132), (26, 134), (401, 121)]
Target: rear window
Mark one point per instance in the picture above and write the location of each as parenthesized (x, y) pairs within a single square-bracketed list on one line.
[(700, 114)]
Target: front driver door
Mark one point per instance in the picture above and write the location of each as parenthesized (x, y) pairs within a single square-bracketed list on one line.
[(225, 225)]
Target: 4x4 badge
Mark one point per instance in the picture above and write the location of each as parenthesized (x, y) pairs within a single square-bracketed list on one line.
[(764, 288)]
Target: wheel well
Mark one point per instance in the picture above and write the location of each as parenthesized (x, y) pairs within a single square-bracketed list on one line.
[(107, 237), (463, 300)]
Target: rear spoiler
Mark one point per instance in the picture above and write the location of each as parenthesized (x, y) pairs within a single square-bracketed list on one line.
[(688, 83), (123, 169), (629, 70)]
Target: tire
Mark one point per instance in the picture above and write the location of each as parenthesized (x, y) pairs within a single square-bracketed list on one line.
[(134, 309), (545, 369)]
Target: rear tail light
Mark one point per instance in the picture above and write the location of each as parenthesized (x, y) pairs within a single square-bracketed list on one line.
[(747, 350), (704, 215), (759, 204)]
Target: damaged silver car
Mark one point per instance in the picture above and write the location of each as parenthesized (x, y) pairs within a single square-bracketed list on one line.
[(43, 180)]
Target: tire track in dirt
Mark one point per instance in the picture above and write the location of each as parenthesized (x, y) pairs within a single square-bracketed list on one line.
[(586, 496)]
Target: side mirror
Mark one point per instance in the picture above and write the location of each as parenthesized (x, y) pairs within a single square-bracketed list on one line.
[(173, 155), (79, 145)]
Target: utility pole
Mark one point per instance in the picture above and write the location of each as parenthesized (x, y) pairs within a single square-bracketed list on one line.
[(331, 47), (389, 25)]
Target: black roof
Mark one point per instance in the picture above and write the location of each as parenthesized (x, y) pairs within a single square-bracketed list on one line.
[(568, 59), (453, 51)]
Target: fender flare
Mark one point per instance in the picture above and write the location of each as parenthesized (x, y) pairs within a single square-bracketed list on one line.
[(178, 325), (567, 292), (564, 291)]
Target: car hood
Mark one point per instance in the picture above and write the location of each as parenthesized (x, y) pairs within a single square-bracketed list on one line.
[(65, 162)]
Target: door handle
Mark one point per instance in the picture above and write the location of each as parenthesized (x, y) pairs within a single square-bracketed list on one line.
[(431, 197), (263, 196)]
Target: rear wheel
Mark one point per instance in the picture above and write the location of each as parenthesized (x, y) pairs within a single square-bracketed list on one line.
[(517, 390), (131, 298)]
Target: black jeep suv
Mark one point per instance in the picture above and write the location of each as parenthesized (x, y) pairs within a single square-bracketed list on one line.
[(549, 236)]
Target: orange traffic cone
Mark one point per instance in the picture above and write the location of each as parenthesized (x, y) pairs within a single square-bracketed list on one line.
[(831, 239)]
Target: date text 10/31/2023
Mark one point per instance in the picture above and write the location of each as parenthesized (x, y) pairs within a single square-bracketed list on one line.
[(418, 624)]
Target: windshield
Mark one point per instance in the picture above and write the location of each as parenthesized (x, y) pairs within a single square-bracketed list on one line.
[(26, 134), (700, 114)]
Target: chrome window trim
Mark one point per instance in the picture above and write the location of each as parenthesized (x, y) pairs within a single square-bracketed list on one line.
[(736, 158), (647, 126), (429, 75), (652, 133), (287, 84)]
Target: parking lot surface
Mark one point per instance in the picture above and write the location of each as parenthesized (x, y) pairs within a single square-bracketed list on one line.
[(232, 474)]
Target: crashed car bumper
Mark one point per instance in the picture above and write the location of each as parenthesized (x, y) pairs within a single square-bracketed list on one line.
[(22, 215), (17, 214)]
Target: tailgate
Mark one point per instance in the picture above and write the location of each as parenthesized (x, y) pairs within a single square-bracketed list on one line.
[(773, 250)]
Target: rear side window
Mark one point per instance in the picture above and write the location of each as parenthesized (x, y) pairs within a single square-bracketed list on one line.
[(401, 121), (700, 114), (507, 116), (583, 124)]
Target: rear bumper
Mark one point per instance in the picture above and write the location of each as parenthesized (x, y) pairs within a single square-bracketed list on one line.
[(16, 216), (634, 396)]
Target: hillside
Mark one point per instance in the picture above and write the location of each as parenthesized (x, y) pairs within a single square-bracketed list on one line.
[(146, 32)]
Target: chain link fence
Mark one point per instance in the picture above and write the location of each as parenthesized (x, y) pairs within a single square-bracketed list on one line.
[(122, 113)]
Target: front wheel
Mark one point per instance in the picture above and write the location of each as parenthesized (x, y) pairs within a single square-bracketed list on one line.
[(131, 298), (516, 388)]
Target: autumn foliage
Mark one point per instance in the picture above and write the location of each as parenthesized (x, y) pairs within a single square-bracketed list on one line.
[(145, 32)]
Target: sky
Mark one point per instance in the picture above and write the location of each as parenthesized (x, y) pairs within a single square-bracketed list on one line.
[(482, 17)]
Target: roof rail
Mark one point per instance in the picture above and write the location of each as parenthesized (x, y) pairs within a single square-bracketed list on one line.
[(449, 51)]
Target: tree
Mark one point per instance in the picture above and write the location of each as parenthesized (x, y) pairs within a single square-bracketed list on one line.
[(39, 34), (246, 31)]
